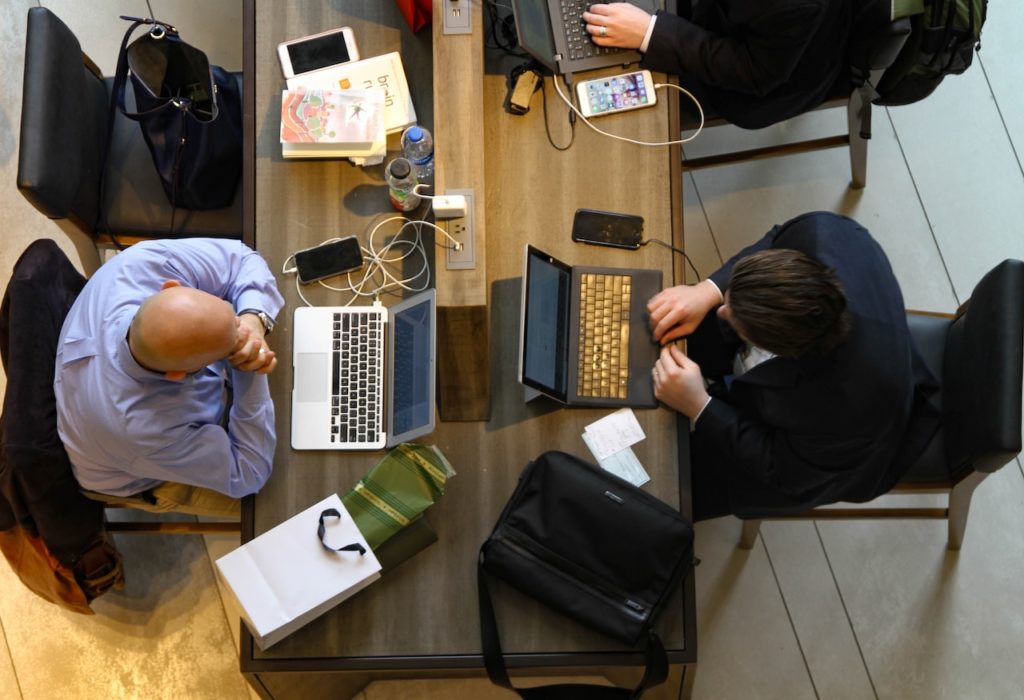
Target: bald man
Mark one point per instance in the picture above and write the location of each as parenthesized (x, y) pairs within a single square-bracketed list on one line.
[(162, 396)]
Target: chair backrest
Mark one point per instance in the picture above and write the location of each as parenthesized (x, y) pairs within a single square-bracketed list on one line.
[(63, 122), (875, 38), (983, 368)]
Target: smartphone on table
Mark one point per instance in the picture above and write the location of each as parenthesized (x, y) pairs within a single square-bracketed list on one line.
[(317, 51), (328, 260), (608, 228), (616, 93)]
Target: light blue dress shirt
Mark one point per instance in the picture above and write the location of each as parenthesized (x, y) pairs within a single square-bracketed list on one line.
[(126, 428)]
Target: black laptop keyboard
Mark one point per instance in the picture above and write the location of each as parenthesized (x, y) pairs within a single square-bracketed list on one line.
[(357, 385), (576, 36)]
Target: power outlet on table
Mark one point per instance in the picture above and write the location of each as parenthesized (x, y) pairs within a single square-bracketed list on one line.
[(461, 229), (457, 17)]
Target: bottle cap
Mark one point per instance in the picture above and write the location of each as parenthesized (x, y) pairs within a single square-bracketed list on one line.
[(414, 133), (400, 168)]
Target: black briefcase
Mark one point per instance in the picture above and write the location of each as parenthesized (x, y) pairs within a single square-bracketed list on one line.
[(593, 547)]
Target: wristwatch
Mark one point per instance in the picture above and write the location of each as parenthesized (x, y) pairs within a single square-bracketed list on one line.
[(268, 323)]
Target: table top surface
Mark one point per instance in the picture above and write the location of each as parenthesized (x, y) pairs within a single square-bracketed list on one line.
[(425, 609)]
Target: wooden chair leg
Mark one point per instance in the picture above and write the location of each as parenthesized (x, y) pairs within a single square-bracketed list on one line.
[(858, 118), (749, 535), (960, 505)]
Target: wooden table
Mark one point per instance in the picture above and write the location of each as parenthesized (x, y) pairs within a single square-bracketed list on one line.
[(420, 621)]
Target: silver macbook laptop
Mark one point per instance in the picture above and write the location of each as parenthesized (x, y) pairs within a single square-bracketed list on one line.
[(364, 376), (553, 32), (584, 338)]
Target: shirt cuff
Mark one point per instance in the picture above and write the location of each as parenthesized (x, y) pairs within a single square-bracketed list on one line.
[(647, 36), (721, 297), (693, 421)]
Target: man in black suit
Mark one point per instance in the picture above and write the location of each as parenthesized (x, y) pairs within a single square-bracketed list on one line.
[(816, 391), (754, 62)]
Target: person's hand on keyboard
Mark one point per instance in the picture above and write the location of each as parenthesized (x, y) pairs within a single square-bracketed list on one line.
[(617, 24), (251, 353), (677, 311), (678, 382)]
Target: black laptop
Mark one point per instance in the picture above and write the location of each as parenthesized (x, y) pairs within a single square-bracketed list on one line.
[(584, 337), (553, 32)]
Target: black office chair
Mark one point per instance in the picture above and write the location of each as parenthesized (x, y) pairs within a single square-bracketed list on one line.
[(63, 134), (875, 41), (978, 354)]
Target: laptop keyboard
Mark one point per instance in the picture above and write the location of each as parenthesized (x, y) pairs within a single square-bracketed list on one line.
[(576, 37), (357, 382), (603, 368)]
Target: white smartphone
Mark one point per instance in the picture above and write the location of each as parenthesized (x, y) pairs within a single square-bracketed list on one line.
[(317, 51), (616, 93)]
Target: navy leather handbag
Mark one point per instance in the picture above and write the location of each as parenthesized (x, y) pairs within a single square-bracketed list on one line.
[(190, 113)]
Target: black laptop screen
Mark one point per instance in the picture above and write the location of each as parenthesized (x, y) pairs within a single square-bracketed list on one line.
[(546, 326), (533, 25)]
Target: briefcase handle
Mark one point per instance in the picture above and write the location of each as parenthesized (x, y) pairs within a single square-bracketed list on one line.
[(655, 670)]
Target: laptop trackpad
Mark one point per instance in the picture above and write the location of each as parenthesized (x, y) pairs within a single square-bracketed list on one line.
[(312, 377)]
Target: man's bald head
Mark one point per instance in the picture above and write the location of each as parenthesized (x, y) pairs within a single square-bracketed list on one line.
[(180, 330)]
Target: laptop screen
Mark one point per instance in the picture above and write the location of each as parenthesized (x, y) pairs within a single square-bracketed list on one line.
[(546, 323), (411, 381), (533, 25)]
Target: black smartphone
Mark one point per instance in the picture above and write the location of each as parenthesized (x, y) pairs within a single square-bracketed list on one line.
[(608, 228), (329, 259)]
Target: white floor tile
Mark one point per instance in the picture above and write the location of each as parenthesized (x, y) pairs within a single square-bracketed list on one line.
[(1000, 58), (746, 647), (698, 242), (935, 624), (967, 176), (814, 606)]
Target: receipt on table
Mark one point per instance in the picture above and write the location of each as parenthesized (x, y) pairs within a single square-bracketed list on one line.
[(613, 433), (609, 439)]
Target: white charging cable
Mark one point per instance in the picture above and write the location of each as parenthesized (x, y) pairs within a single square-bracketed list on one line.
[(378, 275), (586, 121)]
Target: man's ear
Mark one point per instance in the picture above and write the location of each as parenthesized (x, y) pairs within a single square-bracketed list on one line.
[(175, 375), (170, 283)]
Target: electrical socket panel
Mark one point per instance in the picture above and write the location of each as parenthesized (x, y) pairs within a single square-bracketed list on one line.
[(461, 229), (457, 17)]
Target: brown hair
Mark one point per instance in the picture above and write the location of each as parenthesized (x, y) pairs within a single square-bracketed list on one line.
[(787, 303)]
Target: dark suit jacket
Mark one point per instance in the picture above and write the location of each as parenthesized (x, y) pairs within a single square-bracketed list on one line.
[(755, 62), (38, 490), (796, 433)]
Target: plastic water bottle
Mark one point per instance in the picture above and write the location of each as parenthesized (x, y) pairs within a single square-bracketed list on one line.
[(401, 183), (418, 148)]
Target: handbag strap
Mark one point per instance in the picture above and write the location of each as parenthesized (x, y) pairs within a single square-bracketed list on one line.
[(655, 669), (121, 74), (117, 102)]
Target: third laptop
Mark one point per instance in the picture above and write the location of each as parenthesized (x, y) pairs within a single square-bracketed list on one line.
[(585, 338)]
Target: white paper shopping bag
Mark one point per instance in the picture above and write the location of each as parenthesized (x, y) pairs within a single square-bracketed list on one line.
[(286, 577)]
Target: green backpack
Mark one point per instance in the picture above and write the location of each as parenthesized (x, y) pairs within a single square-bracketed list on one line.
[(943, 38)]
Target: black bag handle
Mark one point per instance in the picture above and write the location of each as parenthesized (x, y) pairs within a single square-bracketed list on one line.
[(655, 670), (117, 102)]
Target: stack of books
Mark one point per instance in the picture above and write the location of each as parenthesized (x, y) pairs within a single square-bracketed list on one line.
[(342, 87), (332, 124)]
